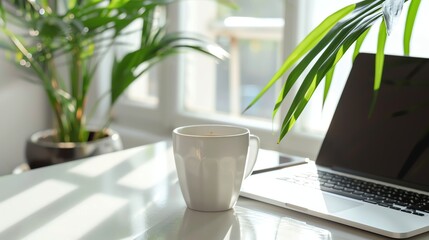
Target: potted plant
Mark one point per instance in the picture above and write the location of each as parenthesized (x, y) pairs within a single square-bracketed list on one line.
[(315, 58), (59, 45)]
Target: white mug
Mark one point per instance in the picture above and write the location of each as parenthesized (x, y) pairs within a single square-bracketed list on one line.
[(212, 162)]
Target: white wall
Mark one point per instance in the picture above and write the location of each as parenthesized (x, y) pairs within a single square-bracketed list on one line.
[(23, 110)]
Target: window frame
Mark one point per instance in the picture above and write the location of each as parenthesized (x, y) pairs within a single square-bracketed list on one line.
[(154, 124)]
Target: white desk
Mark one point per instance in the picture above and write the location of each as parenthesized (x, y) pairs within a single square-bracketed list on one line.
[(134, 194)]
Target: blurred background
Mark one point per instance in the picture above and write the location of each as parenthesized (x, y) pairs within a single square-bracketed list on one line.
[(194, 89)]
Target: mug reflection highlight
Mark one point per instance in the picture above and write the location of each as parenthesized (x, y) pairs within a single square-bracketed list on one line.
[(198, 225)]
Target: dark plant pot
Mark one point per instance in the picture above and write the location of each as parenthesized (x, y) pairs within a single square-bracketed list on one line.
[(41, 151)]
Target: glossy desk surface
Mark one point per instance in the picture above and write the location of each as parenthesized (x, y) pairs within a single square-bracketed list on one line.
[(134, 194)]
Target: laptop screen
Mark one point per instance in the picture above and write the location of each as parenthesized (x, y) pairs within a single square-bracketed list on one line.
[(385, 135)]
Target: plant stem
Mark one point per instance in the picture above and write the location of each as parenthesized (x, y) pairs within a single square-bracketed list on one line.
[(76, 76), (55, 104)]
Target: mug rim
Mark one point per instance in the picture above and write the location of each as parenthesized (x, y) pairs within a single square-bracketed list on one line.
[(244, 131)]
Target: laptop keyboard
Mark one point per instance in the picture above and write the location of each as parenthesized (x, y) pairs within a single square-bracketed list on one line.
[(390, 197)]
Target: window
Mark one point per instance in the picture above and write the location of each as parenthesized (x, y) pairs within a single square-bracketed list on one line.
[(194, 89), (252, 36)]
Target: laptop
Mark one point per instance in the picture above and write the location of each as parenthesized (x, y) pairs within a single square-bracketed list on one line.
[(372, 170)]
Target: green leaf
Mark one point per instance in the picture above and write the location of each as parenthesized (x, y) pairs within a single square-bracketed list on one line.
[(2, 14), (114, 4), (80, 33), (379, 58), (124, 70), (409, 24), (310, 83), (147, 27), (359, 14), (330, 74), (230, 4), (379, 64), (340, 38), (308, 43), (359, 43), (71, 4), (135, 4), (44, 4)]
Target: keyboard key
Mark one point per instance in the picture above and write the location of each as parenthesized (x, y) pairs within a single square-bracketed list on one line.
[(423, 208), (338, 187), (385, 204), (370, 201), (359, 193)]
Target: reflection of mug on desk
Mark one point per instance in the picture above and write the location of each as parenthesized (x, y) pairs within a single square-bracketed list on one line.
[(209, 225)]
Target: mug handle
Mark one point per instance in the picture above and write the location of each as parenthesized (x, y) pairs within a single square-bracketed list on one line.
[(252, 155)]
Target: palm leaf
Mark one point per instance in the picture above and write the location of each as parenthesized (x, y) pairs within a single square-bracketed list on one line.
[(379, 63), (317, 60), (330, 74), (359, 43), (361, 11), (308, 43), (379, 58), (409, 24), (79, 34), (337, 40), (123, 72), (2, 13), (316, 74)]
